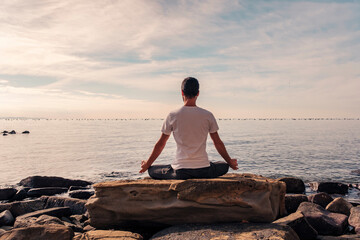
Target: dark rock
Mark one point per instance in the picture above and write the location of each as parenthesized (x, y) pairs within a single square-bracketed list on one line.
[(55, 212), (78, 218), (77, 206), (333, 187), (81, 194), (354, 219), (73, 188), (7, 193), (45, 191), (293, 185), (323, 221), (74, 227), (19, 195), (323, 199), (108, 234), (300, 225), (339, 205), (39, 232), (23, 207), (25, 132), (6, 218), (5, 134), (293, 201), (22, 222), (342, 237), (12, 132), (43, 181), (239, 231)]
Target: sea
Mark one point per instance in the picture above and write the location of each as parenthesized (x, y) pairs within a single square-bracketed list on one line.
[(112, 149)]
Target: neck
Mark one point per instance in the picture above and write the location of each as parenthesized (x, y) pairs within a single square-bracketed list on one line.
[(190, 102)]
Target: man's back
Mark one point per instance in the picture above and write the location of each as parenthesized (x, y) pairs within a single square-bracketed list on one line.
[(190, 126)]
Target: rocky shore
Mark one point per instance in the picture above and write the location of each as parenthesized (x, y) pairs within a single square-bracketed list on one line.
[(235, 206)]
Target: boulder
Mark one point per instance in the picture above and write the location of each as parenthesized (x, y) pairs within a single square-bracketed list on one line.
[(56, 212), (39, 232), (293, 185), (342, 237), (6, 218), (5, 134), (19, 195), (81, 194), (300, 225), (46, 191), (108, 234), (12, 132), (43, 181), (322, 199), (293, 201), (333, 187), (22, 222), (23, 207), (77, 206), (323, 221), (238, 231), (7, 193), (354, 219), (25, 132), (73, 188), (232, 197), (339, 205)]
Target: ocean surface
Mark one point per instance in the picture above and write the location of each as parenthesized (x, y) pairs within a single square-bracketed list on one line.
[(99, 150)]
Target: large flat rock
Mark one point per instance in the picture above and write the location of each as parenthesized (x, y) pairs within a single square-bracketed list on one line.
[(233, 197)]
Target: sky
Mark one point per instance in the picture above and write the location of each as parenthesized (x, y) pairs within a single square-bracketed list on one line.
[(127, 58)]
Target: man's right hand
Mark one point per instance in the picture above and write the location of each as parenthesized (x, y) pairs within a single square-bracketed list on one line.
[(233, 164)]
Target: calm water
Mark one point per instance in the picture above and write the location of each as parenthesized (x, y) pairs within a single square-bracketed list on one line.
[(99, 150)]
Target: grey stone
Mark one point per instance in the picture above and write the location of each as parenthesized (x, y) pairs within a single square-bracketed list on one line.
[(20, 195), (45, 181), (300, 225), (323, 221), (81, 194), (23, 207), (6, 218), (7, 193), (238, 231), (322, 199), (46, 191), (77, 206), (292, 202), (73, 188), (339, 205), (293, 185)]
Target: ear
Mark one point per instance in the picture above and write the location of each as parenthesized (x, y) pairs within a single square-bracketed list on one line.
[(198, 93), (182, 93)]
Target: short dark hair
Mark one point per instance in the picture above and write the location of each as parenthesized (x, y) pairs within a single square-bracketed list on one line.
[(190, 87)]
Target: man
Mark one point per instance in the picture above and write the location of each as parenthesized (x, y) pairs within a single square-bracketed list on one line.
[(190, 126)]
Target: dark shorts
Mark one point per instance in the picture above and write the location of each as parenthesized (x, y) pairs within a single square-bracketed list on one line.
[(216, 169)]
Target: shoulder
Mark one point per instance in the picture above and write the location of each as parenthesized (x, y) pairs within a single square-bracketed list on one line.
[(205, 112)]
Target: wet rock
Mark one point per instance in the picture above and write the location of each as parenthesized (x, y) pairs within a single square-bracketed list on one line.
[(333, 187), (55, 212), (7, 193), (233, 197), (236, 231), (73, 188), (293, 201), (44, 181), (23, 207), (77, 206), (81, 194), (109, 234), (293, 185), (339, 205), (6, 218), (354, 219), (74, 227), (5, 134), (12, 132), (19, 195), (323, 221), (22, 222), (322, 199), (45, 191), (25, 132), (39, 232), (300, 225)]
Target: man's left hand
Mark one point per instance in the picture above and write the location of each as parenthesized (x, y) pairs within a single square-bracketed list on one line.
[(144, 166)]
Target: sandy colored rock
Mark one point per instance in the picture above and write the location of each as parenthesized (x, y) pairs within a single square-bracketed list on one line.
[(339, 205), (38, 232), (108, 235), (354, 219), (233, 197), (227, 231)]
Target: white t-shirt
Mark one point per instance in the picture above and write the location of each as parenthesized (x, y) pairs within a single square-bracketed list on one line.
[(190, 127)]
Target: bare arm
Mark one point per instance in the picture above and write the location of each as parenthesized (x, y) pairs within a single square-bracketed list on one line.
[(159, 146), (220, 147)]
